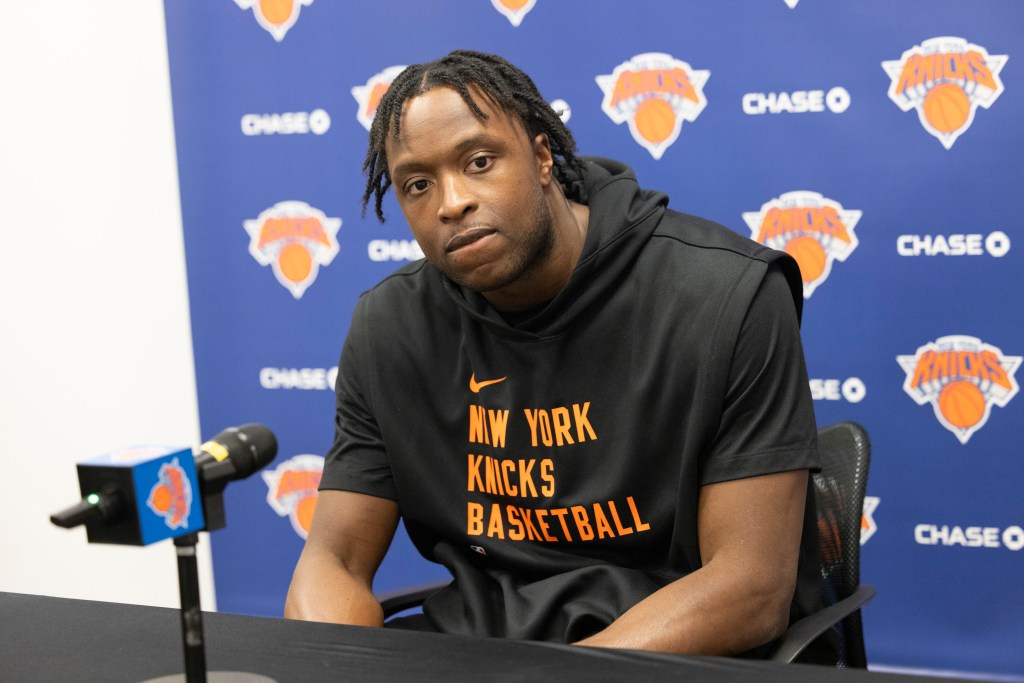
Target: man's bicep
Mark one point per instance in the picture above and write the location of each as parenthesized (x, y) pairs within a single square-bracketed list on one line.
[(353, 528), (767, 422), (755, 524)]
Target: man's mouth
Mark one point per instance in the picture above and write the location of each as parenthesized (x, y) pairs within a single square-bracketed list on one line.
[(467, 237)]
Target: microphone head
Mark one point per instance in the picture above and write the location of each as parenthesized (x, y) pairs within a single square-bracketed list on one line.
[(247, 448), (261, 443)]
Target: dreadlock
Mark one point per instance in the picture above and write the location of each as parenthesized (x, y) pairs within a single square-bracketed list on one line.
[(504, 84)]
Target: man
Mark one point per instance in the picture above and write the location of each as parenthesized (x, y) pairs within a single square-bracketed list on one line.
[(593, 410)]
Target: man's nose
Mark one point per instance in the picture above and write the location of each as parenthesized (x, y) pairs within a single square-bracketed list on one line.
[(456, 199)]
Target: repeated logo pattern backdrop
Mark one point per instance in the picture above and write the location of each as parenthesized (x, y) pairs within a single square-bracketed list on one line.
[(879, 143)]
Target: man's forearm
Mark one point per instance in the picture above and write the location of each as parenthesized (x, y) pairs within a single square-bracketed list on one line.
[(713, 611), (749, 532), (323, 591)]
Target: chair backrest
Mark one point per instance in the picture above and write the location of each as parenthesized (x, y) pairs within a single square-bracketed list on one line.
[(845, 453)]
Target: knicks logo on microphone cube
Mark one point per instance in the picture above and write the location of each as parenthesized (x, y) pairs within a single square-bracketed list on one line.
[(157, 490)]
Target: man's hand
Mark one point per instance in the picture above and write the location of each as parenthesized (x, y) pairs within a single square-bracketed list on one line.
[(749, 532), (333, 580)]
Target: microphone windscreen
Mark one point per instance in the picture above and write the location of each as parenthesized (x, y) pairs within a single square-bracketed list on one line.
[(261, 443), (238, 452)]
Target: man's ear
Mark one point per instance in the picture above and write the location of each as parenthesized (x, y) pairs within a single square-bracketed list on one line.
[(545, 160)]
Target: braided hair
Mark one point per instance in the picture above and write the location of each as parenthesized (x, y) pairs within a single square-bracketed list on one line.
[(504, 84)]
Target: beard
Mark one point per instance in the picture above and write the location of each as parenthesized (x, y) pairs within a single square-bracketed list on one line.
[(530, 246)]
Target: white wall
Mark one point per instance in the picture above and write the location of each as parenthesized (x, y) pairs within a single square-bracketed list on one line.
[(95, 345)]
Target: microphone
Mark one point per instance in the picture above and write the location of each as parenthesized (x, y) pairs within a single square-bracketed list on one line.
[(138, 496), (233, 454)]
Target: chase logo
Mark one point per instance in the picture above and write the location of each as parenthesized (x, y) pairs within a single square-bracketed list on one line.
[(1011, 537), (562, 109), (295, 240), (814, 230), (654, 93), (394, 250), (946, 80), (292, 490), (514, 10), (316, 122), (369, 95), (836, 100), (962, 377), (851, 390), (299, 378), (171, 497), (275, 16), (995, 244)]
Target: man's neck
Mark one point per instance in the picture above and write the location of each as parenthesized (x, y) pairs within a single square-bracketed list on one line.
[(571, 223)]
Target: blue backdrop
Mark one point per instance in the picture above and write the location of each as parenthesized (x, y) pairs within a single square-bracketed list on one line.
[(879, 142)]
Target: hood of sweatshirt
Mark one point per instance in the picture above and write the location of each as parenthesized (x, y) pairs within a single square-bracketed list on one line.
[(622, 218)]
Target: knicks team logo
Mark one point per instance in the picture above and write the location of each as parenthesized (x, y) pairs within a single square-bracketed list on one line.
[(276, 16), (292, 490), (654, 93), (946, 80), (868, 527), (171, 497), (814, 230), (514, 10), (962, 378), (369, 96), (295, 240)]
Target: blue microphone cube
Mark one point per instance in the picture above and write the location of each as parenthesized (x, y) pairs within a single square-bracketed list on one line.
[(153, 490)]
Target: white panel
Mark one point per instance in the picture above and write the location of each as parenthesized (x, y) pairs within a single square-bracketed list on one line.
[(95, 352)]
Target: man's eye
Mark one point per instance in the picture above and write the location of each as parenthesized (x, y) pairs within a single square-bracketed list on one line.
[(416, 186), (480, 163)]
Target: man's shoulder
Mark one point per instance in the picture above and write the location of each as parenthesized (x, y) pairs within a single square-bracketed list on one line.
[(408, 304), (703, 234), (717, 254), (406, 297), (416, 279)]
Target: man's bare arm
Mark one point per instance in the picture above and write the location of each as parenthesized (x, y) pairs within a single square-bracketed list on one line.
[(750, 533), (347, 540)]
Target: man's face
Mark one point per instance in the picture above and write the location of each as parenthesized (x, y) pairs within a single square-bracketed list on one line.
[(472, 190)]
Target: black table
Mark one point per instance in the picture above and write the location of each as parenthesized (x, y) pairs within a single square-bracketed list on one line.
[(58, 639)]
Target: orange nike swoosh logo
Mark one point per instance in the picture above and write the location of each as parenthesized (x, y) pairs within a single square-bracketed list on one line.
[(475, 386)]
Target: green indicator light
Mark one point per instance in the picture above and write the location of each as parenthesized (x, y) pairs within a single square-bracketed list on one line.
[(93, 498)]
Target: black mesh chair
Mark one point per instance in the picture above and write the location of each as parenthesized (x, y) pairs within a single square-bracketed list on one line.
[(839, 495), (402, 599)]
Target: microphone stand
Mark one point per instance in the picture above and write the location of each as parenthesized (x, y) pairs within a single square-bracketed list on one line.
[(191, 613)]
